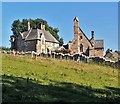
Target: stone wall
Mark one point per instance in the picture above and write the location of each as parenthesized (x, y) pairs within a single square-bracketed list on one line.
[(99, 52), (20, 43), (75, 57), (104, 61), (79, 38), (30, 45)]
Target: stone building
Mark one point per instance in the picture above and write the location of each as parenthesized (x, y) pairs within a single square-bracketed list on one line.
[(38, 40), (82, 45), (113, 55)]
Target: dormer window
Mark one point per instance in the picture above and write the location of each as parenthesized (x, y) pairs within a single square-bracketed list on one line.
[(12, 39), (40, 35)]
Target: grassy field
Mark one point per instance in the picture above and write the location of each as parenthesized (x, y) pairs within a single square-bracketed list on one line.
[(53, 80)]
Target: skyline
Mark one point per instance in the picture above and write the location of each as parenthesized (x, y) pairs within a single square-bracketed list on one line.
[(60, 1), (99, 17)]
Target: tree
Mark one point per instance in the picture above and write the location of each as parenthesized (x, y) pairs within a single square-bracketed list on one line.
[(24, 26), (61, 41), (4, 48), (39, 21), (16, 27), (108, 50), (21, 26)]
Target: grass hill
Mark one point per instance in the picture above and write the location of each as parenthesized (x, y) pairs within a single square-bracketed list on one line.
[(53, 80)]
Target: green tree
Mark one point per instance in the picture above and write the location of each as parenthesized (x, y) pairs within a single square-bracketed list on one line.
[(4, 48), (32, 24), (21, 26), (39, 21), (61, 41), (108, 50), (24, 25), (16, 27)]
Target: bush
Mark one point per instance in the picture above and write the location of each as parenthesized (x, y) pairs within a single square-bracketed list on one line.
[(4, 48)]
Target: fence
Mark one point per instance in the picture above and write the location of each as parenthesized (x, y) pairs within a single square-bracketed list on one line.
[(104, 61), (75, 57)]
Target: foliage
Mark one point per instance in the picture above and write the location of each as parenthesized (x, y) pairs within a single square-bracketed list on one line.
[(4, 48), (61, 41), (16, 27), (108, 50), (50, 80), (21, 26)]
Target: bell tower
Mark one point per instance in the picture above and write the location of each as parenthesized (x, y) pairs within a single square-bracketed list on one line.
[(76, 27)]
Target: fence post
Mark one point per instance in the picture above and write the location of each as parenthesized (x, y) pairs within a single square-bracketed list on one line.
[(32, 54), (54, 55), (13, 52), (35, 56)]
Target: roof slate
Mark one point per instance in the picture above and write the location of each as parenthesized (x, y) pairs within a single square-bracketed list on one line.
[(49, 37), (99, 44), (25, 34), (33, 34)]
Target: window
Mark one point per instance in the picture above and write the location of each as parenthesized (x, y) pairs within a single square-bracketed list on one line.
[(81, 48), (80, 37), (40, 35)]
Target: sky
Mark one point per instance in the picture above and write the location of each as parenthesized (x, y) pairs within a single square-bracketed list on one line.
[(100, 17)]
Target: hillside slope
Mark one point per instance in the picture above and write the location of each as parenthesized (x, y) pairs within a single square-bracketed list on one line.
[(49, 80)]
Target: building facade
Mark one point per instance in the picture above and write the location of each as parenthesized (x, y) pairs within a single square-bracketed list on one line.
[(38, 40), (82, 45)]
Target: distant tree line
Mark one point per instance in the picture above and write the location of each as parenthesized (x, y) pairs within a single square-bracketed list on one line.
[(4, 48), (21, 26)]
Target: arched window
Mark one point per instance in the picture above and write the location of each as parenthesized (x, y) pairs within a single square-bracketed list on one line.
[(81, 48)]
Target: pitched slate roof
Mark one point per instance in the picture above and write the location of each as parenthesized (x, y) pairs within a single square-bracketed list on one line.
[(25, 33), (49, 37), (33, 34), (99, 44)]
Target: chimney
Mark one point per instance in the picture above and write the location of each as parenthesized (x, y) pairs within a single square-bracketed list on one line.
[(42, 27), (28, 25), (76, 19), (76, 27), (92, 33)]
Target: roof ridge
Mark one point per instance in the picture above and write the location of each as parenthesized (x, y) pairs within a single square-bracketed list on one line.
[(28, 33)]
